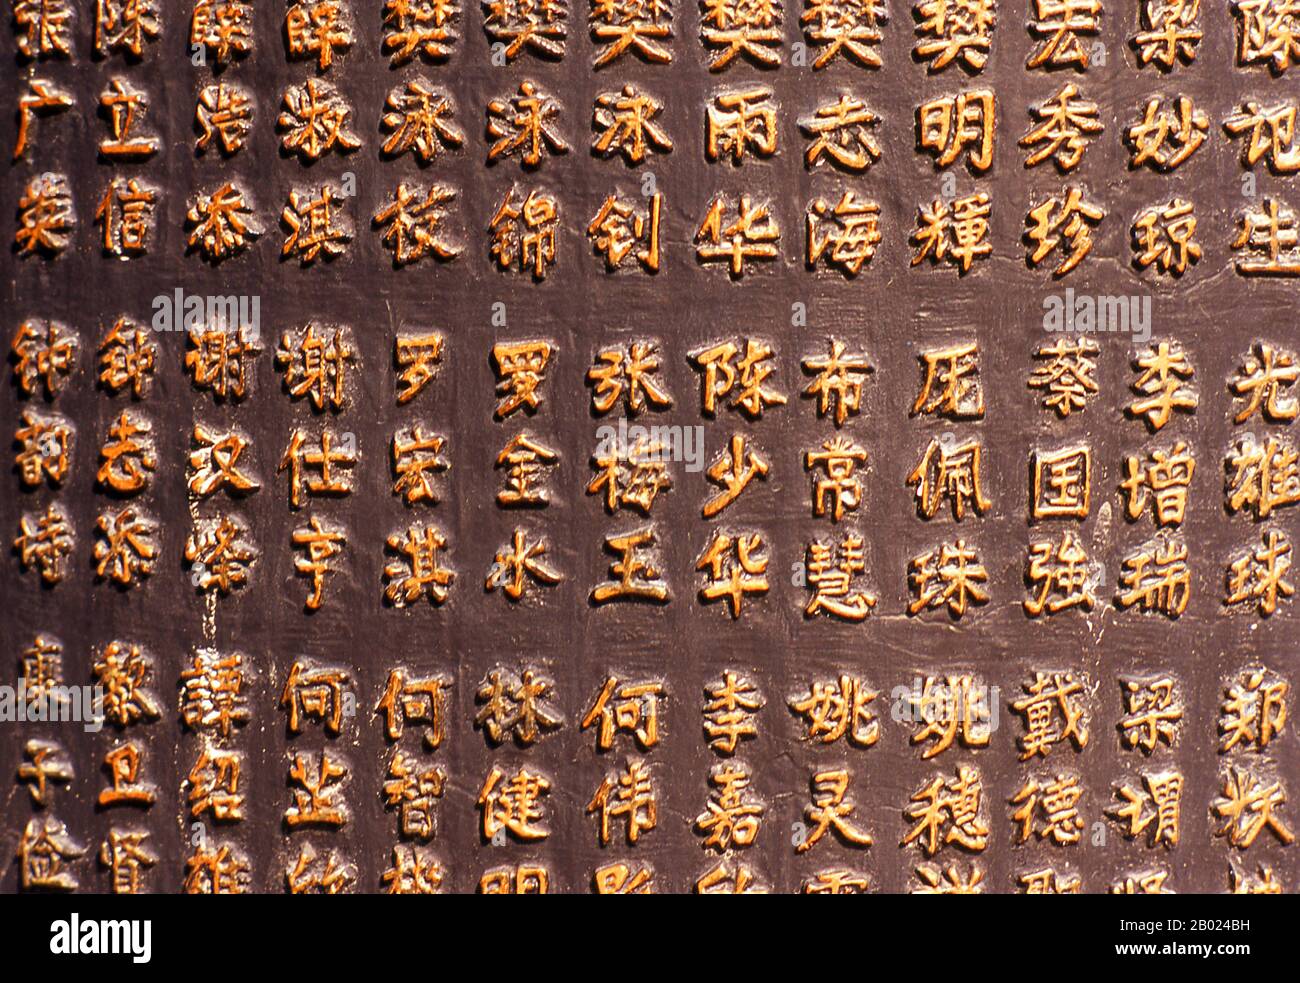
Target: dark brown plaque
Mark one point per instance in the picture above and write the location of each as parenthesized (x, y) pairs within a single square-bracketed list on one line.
[(791, 449)]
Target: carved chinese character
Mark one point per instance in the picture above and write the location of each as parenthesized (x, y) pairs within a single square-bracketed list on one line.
[(45, 852), (416, 455), (839, 459), (948, 30), (741, 120), (222, 222), (1264, 883), (949, 471), (932, 879), (123, 766), (224, 113), (831, 810), (956, 233), (525, 231), (414, 871), (313, 874), (1262, 476), (213, 697), (1066, 126), (951, 574), (951, 386), (44, 446), (525, 459), (1064, 224), (420, 117), (1069, 377), (44, 542), (1157, 578), (949, 126), (314, 365), (625, 707), (628, 795), (415, 795), (1049, 809), (1053, 713), (626, 120), (633, 577), (839, 379), (220, 869), (1165, 138), (127, 858), (621, 228), (127, 455), (630, 476), (831, 570), (523, 126), (1170, 32), (1249, 807), (124, 106), (848, 27), (1264, 382), (1165, 368), (320, 543), (536, 25), (1258, 576), (1272, 135), (623, 878), (1269, 240), (734, 566), (316, 29), (752, 235), (1162, 236), (43, 353), (516, 704), (1155, 805), (521, 369), (43, 28), (513, 804), (45, 216), (732, 471), (42, 98), (315, 693), (1153, 709), (46, 764), (732, 816), (730, 712), (122, 671), (951, 709), (840, 132), (420, 700), (421, 27), (839, 708), (315, 120), (220, 359), (1254, 711), (521, 558), (524, 879), (220, 554), (1062, 483), (949, 812), (313, 779), (1268, 32), (1064, 27), (411, 224), (214, 462), (1059, 576), (846, 234), (316, 227), (223, 28), (417, 570), (748, 28), (124, 550)]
